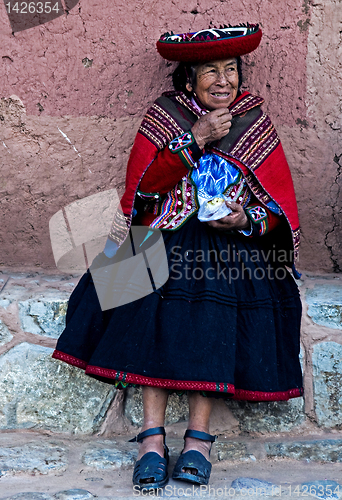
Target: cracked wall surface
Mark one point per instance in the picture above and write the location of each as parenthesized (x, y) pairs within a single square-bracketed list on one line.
[(73, 91), (319, 147)]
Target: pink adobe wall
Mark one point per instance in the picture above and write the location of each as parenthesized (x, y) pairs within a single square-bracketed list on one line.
[(92, 74), (44, 66)]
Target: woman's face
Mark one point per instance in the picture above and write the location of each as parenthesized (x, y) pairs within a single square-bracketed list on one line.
[(217, 83)]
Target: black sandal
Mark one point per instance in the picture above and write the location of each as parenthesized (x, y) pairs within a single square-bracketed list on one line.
[(151, 466), (193, 459)]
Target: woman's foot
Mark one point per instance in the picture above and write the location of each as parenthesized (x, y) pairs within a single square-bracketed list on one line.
[(154, 401), (193, 464), (151, 443), (199, 415), (150, 470), (197, 445)]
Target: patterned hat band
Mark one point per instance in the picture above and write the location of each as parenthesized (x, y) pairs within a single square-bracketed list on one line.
[(210, 44)]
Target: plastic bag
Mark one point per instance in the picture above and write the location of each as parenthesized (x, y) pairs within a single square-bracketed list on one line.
[(214, 209)]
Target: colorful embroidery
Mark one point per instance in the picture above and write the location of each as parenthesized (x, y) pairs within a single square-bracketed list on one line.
[(159, 127), (148, 196), (296, 239), (187, 159), (180, 203), (263, 227), (248, 102), (257, 143), (120, 227), (223, 32), (210, 44), (176, 208), (256, 214), (263, 196), (183, 141)]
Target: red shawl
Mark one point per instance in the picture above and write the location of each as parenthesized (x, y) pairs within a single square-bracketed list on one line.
[(252, 145)]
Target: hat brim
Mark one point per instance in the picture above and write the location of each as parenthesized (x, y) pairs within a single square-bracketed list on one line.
[(209, 50)]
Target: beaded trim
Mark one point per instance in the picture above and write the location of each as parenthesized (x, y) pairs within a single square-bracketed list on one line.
[(256, 214), (183, 141), (180, 204)]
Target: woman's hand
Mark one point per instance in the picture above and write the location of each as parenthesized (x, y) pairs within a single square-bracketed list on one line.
[(236, 220), (212, 126)]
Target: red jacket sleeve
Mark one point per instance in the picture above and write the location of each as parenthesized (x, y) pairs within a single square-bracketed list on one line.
[(163, 173), (262, 219)]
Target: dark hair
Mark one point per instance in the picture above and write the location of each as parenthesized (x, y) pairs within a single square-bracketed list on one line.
[(186, 73)]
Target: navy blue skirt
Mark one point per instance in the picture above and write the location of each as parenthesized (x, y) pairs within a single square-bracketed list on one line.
[(226, 322)]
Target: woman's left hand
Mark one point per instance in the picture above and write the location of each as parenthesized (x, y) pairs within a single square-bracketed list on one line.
[(235, 220)]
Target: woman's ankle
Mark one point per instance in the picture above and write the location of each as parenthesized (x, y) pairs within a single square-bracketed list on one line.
[(151, 443), (198, 445)]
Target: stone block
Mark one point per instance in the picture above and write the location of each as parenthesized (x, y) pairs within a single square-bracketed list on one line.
[(43, 316), (324, 450), (254, 487), (325, 305), (4, 303), (274, 416), (176, 411), (33, 458), (5, 335), (327, 383), (109, 456), (37, 391), (73, 494), (232, 451)]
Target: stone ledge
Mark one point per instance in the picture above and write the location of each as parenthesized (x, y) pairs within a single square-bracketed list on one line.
[(33, 458), (322, 450), (325, 304), (32, 314), (37, 391)]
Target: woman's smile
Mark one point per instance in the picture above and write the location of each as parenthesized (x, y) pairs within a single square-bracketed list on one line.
[(220, 95), (217, 83)]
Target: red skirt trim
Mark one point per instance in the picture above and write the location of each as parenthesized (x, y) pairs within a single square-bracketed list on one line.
[(71, 360), (243, 395), (181, 385)]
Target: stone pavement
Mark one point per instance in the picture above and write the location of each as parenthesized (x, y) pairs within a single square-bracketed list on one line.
[(36, 466)]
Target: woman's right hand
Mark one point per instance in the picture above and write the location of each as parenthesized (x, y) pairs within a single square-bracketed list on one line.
[(212, 126)]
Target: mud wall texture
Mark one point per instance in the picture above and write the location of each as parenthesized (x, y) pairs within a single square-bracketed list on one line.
[(73, 91)]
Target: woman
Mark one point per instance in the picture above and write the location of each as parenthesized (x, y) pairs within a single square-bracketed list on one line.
[(227, 321)]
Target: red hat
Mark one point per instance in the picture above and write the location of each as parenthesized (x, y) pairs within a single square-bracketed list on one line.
[(210, 44)]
